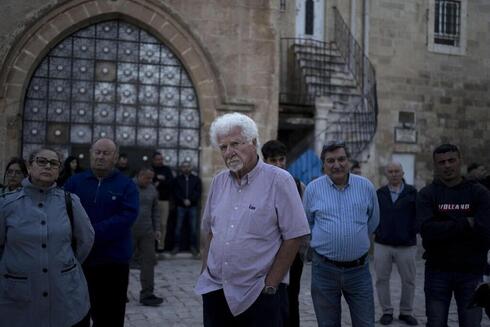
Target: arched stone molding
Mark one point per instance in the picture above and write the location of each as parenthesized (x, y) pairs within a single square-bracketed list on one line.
[(65, 19)]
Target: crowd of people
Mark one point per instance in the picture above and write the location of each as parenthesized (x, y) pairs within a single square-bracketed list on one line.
[(68, 236)]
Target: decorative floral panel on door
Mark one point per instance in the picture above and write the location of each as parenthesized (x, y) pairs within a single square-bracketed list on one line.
[(115, 80)]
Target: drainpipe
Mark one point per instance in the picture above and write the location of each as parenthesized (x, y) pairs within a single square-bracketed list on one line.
[(365, 44), (353, 8), (353, 25)]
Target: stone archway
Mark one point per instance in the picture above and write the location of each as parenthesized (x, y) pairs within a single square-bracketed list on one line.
[(35, 43)]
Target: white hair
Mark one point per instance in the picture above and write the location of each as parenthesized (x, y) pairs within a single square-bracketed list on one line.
[(225, 123), (394, 163)]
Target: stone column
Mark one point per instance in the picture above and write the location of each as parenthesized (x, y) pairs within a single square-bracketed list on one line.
[(323, 106)]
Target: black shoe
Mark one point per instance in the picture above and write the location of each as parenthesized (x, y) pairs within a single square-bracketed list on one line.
[(151, 301), (409, 320), (174, 251), (194, 252), (386, 319)]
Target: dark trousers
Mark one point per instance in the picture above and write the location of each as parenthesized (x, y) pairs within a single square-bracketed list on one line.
[(440, 286), (266, 311), (293, 291), (107, 286)]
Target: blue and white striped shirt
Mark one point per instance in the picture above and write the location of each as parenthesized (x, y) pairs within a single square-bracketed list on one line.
[(341, 220)]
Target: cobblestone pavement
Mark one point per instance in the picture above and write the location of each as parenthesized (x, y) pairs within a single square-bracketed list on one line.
[(175, 278)]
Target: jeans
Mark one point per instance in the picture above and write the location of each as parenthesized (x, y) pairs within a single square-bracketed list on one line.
[(439, 287), (329, 283), (266, 311), (182, 213)]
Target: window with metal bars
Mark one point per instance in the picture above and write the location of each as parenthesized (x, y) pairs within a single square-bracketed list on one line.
[(113, 79), (447, 22)]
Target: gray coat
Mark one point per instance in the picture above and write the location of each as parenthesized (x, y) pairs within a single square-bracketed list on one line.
[(148, 220), (41, 279)]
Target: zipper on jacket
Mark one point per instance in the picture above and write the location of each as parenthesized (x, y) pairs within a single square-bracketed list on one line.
[(97, 191)]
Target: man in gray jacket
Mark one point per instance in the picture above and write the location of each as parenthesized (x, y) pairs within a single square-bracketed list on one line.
[(145, 230)]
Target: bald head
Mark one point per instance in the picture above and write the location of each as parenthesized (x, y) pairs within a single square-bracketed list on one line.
[(103, 157), (394, 173)]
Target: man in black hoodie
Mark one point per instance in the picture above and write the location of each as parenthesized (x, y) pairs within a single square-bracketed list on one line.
[(395, 241), (454, 219)]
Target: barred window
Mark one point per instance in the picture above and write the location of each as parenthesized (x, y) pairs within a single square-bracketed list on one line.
[(446, 26), (447, 22)]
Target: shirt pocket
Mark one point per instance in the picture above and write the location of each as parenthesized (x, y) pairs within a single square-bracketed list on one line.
[(70, 277), (16, 287), (261, 221)]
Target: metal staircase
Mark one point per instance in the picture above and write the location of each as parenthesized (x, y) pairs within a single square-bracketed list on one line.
[(339, 72)]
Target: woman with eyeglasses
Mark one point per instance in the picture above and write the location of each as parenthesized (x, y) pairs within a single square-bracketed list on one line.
[(15, 172), (45, 235), (71, 166)]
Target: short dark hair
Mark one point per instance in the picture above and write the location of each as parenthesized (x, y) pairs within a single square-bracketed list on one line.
[(145, 168), (445, 148), (332, 146), (472, 167), (156, 153), (123, 155), (274, 148)]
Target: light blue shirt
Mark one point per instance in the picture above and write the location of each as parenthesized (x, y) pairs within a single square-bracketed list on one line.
[(341, 220), (394, 193)]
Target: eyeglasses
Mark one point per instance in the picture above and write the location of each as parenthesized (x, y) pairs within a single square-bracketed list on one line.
[(14, 172), (43, 162), (231, 145)]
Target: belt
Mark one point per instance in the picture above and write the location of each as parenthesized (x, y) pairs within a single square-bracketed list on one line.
[(345, 264)]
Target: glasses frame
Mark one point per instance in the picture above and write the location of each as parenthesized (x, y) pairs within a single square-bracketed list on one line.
[(54, 163)]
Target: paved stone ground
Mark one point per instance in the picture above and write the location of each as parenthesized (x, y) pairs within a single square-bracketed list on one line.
[(175, 278)]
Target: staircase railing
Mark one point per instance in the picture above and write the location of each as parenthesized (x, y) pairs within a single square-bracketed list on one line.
[(359, 126), (296, 54)]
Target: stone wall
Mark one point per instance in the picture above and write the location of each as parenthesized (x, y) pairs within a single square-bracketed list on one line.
[(448, 93)]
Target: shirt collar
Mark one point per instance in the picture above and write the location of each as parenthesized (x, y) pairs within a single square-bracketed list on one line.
[(331, 183), (249, 177), (27, 185), (92, 175), (392, 190)]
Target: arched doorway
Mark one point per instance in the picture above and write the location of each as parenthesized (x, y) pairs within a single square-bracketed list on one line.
[(113, 79)]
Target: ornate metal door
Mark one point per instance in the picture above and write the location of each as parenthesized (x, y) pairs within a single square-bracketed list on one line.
[(113, 79)]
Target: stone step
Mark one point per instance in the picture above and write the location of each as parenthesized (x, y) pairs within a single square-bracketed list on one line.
[(327, 90), (330, 80), (313, 49)]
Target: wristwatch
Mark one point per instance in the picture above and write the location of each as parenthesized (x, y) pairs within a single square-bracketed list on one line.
[(269, 290)]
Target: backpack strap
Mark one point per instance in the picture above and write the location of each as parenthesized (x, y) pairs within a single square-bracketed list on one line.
[(69, 211)]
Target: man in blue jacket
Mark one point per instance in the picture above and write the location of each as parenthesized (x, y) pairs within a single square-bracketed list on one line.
[(111, 201), (395, 242)]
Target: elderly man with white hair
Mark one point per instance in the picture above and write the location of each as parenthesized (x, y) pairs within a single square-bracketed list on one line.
[(395, 242), (254, 224)]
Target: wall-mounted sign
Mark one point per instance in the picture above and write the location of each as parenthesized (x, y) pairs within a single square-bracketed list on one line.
[(405, 135)]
